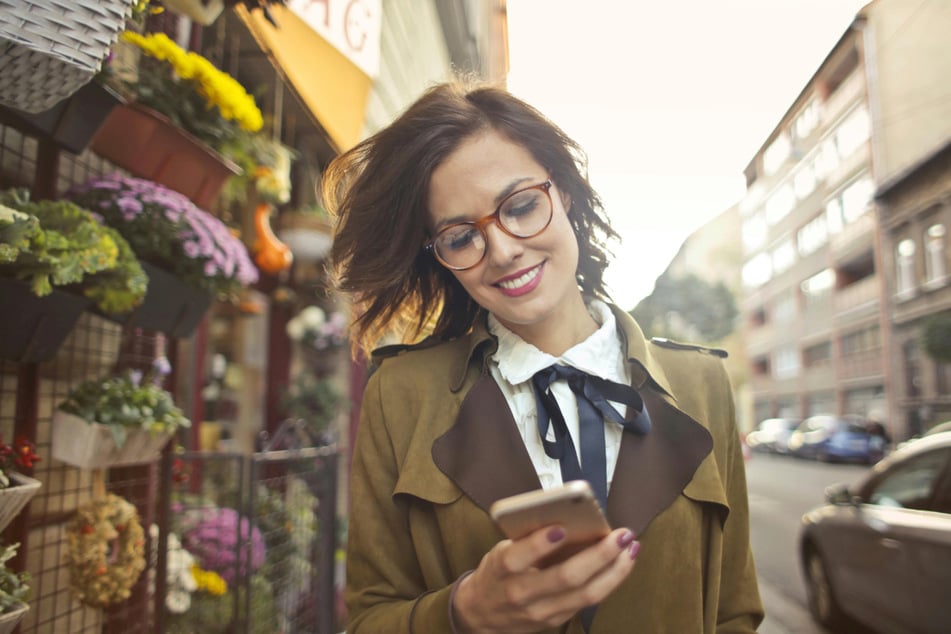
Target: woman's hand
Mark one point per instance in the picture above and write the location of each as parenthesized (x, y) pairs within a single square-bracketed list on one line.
[(509, 593)]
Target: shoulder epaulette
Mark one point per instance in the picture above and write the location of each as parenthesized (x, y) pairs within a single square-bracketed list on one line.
[(392, 350), (676, 345)]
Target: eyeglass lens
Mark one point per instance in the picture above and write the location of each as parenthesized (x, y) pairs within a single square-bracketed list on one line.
[(522, 215)]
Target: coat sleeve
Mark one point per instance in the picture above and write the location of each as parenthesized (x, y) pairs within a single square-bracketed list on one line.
[(385, 590), (740, 609)]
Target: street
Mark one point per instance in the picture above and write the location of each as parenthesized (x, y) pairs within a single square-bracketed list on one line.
[(781, 489)]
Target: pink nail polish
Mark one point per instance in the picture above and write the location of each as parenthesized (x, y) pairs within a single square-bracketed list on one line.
[(556, 534), (634, 549), (625, 538)]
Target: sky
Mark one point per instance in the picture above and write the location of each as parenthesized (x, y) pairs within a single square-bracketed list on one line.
[(670, 99)]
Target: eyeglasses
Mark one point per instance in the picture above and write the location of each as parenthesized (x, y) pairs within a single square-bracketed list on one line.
[(522, 214)]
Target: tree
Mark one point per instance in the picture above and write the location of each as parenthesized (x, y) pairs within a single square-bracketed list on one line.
[(687, 308)]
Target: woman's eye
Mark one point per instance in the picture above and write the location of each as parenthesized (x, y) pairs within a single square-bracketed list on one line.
[(520, 207), (458, 238)]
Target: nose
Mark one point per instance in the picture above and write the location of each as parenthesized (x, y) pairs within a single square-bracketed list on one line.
[(501, 248)]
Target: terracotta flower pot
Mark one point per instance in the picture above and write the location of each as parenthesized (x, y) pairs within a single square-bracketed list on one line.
[(149, 145)]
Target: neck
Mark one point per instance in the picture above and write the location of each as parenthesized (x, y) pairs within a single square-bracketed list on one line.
[(568, 328)]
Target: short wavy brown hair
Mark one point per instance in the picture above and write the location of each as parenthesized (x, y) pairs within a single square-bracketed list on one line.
[(378, 192)]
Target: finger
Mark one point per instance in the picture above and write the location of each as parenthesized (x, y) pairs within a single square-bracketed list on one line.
[(577, 570), (523, 554), (594, 590)]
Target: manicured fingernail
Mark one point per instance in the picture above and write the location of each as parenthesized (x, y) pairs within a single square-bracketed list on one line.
[(634, 549), (556, 534), (625, 538)]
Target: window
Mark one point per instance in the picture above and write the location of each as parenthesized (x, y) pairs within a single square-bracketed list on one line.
[(827, 159), (856, 198), (834, 219), (776, 154), (780, 204), (807, 120), (912, 484), (911, 356), (784, 308), (786, 362), (935, 260), (905, 266), (852, 133), (754, 231), (757, 271), (804, 180), (818, 354), (864, 340), (819, 284), (783, 257), (812, 235)]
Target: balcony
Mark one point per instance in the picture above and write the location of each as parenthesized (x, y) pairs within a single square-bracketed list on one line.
[(857, 299), (845, 95), (862, 365), (859, 233)]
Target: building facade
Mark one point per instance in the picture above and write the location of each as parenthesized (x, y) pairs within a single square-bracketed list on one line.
[(843, 230)]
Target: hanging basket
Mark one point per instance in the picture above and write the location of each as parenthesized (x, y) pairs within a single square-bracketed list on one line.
[(149, 145), (170, 305), (32, 328), (72, 123), (50, 48), (91, 446), (9, 620), (16, 496)]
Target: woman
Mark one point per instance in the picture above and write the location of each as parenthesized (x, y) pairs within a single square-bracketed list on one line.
[(452, 424)]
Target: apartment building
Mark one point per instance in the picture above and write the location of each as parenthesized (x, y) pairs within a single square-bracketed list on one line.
[(811, 301), (844, 229)]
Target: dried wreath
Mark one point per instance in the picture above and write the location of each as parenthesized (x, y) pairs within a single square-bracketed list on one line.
[(105, 551)]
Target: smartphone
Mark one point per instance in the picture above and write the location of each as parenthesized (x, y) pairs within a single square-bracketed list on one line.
[(571, 506)]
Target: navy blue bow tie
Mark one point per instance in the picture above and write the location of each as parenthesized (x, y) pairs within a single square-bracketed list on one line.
[(593, 395)]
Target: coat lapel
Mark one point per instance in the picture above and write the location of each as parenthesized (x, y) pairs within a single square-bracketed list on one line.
[(483, 452), (652, 470)]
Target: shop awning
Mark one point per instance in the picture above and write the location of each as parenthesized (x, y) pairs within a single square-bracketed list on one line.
[(331, 87)]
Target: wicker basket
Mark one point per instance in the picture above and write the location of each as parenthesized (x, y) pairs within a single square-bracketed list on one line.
[(51, 48), (91, 446), (9, 620)]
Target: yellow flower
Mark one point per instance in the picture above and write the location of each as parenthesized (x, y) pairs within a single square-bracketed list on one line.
[(217, 88)]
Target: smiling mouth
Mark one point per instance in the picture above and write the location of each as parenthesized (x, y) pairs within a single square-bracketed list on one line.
[(520, 281)]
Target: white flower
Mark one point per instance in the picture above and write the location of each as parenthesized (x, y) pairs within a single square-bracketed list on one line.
[(295, 329), (313, 317), (178, 601)]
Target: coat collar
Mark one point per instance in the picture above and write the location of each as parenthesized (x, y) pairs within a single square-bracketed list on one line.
[(483, 454)]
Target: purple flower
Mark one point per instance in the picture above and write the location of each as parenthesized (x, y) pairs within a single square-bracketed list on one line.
[(212, 536)]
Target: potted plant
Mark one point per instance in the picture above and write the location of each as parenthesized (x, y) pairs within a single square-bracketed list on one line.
[(118, 420), (319, 337), (14, 590), (16, 489), (314, 400), (308, 231), (50, 245), (190, 256), (183, 112)]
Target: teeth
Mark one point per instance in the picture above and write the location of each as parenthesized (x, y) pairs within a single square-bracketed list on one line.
[(520, 281)]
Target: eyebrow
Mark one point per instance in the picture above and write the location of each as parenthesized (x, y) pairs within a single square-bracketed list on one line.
[(502, 195)]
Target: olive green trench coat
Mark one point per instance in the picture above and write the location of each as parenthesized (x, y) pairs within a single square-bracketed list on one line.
[(437, 444)]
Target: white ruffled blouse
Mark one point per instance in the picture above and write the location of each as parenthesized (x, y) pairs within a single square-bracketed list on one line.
[(516, 361)]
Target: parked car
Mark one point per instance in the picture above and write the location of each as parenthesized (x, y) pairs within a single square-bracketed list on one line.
[(772, 435), (879, 552), (840, 438)]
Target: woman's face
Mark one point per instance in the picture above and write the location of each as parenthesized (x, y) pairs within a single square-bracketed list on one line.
[(528, 284)]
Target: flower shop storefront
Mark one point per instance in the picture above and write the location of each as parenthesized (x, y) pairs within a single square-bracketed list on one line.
[(159, 469)]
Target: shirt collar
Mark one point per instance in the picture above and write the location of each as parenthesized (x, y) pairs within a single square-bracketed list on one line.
[(599, 354)]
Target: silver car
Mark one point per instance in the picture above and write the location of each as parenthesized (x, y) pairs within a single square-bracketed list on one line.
[(879, 553)]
